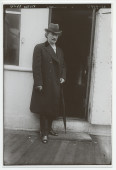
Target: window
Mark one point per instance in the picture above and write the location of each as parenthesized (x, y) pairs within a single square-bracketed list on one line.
[(11, 37)]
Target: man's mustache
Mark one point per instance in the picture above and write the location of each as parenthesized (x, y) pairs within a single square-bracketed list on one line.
[(54, 39)]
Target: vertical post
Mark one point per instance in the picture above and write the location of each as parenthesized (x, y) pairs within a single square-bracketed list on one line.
[(87, 101), (50, 15)]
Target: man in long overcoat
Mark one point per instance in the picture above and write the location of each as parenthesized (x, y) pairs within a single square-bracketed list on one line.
[(48, 74)]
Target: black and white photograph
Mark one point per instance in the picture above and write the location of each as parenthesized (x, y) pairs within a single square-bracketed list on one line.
[(57, 84)]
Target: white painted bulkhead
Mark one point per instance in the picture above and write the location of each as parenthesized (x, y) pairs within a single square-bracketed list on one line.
[(102, 69), (18, 80)]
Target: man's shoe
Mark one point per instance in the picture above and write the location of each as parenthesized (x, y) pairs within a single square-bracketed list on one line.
[(51, 132), (44, 139)]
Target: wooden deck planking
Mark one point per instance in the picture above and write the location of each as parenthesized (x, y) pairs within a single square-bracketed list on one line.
[(25, 149), (89, 153), (54, 147), (30, 154), (69, 153), (41, 154), (25, 146), (59, 157), (84, 154), (98, 156), (12, 147), (10, 139), (80, 155), (102, 148)]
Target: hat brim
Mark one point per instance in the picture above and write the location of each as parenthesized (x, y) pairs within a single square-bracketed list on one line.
[(58, 33)]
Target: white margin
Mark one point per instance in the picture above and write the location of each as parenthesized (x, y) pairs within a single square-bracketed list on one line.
[(2, 2)]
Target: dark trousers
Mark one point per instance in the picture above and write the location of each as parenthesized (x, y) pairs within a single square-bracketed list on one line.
[(45, 124)]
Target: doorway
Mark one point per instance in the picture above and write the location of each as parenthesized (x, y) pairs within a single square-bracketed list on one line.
[(76, 27)]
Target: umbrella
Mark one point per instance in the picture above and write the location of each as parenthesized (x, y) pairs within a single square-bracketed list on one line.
[(63, 108)]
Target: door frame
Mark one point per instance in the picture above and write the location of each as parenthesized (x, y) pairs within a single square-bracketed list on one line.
[(88, 100), (90, 65)]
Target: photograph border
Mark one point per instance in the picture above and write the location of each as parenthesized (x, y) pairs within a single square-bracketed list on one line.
[(36, 2)]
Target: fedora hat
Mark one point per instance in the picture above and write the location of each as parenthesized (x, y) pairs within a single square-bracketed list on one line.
[(54, 28)]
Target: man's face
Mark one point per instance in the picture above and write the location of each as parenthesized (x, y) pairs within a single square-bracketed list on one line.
[(52, 38)]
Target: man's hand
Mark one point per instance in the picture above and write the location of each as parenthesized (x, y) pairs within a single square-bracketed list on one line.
[(40, 88), (62, 80)]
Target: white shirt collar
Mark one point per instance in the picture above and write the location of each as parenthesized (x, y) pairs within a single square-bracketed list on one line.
[(54, 47)]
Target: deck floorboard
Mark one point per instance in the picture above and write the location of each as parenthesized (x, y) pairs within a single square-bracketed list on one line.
[(27, 149)]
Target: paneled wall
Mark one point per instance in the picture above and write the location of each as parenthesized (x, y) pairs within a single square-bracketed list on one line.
[(102, 71)]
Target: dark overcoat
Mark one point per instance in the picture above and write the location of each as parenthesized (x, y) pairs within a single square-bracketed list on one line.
[(48, 68)]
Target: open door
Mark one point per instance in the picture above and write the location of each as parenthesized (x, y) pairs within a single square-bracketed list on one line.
[(76, 39), (90, 66)]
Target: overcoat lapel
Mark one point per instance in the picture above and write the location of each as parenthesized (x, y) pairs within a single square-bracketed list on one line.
[(58, 53), (52, 53)]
